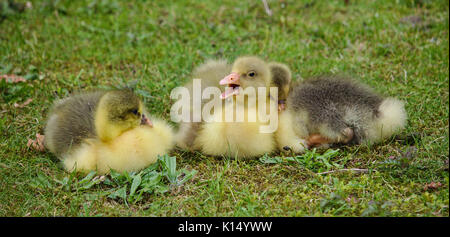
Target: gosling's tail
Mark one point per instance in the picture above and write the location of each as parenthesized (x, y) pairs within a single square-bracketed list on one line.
[(390, 119)]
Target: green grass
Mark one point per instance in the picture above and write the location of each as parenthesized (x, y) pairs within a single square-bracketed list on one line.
[(400, 48)]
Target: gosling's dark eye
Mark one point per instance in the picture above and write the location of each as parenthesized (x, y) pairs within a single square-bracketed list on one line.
[(251, 74), (135, 111)]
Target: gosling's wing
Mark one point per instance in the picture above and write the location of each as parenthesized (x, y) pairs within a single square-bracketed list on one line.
[(71, 120), (333, 104), (325, 95)]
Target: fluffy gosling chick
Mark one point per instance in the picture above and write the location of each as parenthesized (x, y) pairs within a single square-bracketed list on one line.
[(327, 110), (105, 130), (252, 72), (240, 139)]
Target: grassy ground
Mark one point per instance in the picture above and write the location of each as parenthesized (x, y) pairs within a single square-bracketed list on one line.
[(398, 47)]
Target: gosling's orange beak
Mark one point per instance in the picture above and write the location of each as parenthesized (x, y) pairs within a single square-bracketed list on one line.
[(233, 78), (233, 83), (146, 121)]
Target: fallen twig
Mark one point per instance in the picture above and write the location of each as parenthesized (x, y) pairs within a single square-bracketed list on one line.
[(352, 169), (266, 7)]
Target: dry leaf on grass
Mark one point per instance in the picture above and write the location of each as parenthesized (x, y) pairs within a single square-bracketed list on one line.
[(12, 78), (432, 185), (37, 144), (23, 104)]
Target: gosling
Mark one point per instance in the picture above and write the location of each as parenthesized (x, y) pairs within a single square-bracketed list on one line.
[(104, 130)]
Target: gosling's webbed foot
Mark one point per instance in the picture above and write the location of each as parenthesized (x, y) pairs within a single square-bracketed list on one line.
[(297, 146), (348, 135), (315, 140)]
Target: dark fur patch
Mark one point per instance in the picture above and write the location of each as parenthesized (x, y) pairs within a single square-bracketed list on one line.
[(281, 79), (192, 134), (279, 76)]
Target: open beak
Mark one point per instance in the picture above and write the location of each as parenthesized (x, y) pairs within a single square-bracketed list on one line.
[(146, 121), (233, 84)]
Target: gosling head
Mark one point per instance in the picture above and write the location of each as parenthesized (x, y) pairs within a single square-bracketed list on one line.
[(281, 78), (117, 112), (246, 72)]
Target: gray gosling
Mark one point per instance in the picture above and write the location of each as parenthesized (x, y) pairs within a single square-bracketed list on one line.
[(331, 110)]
